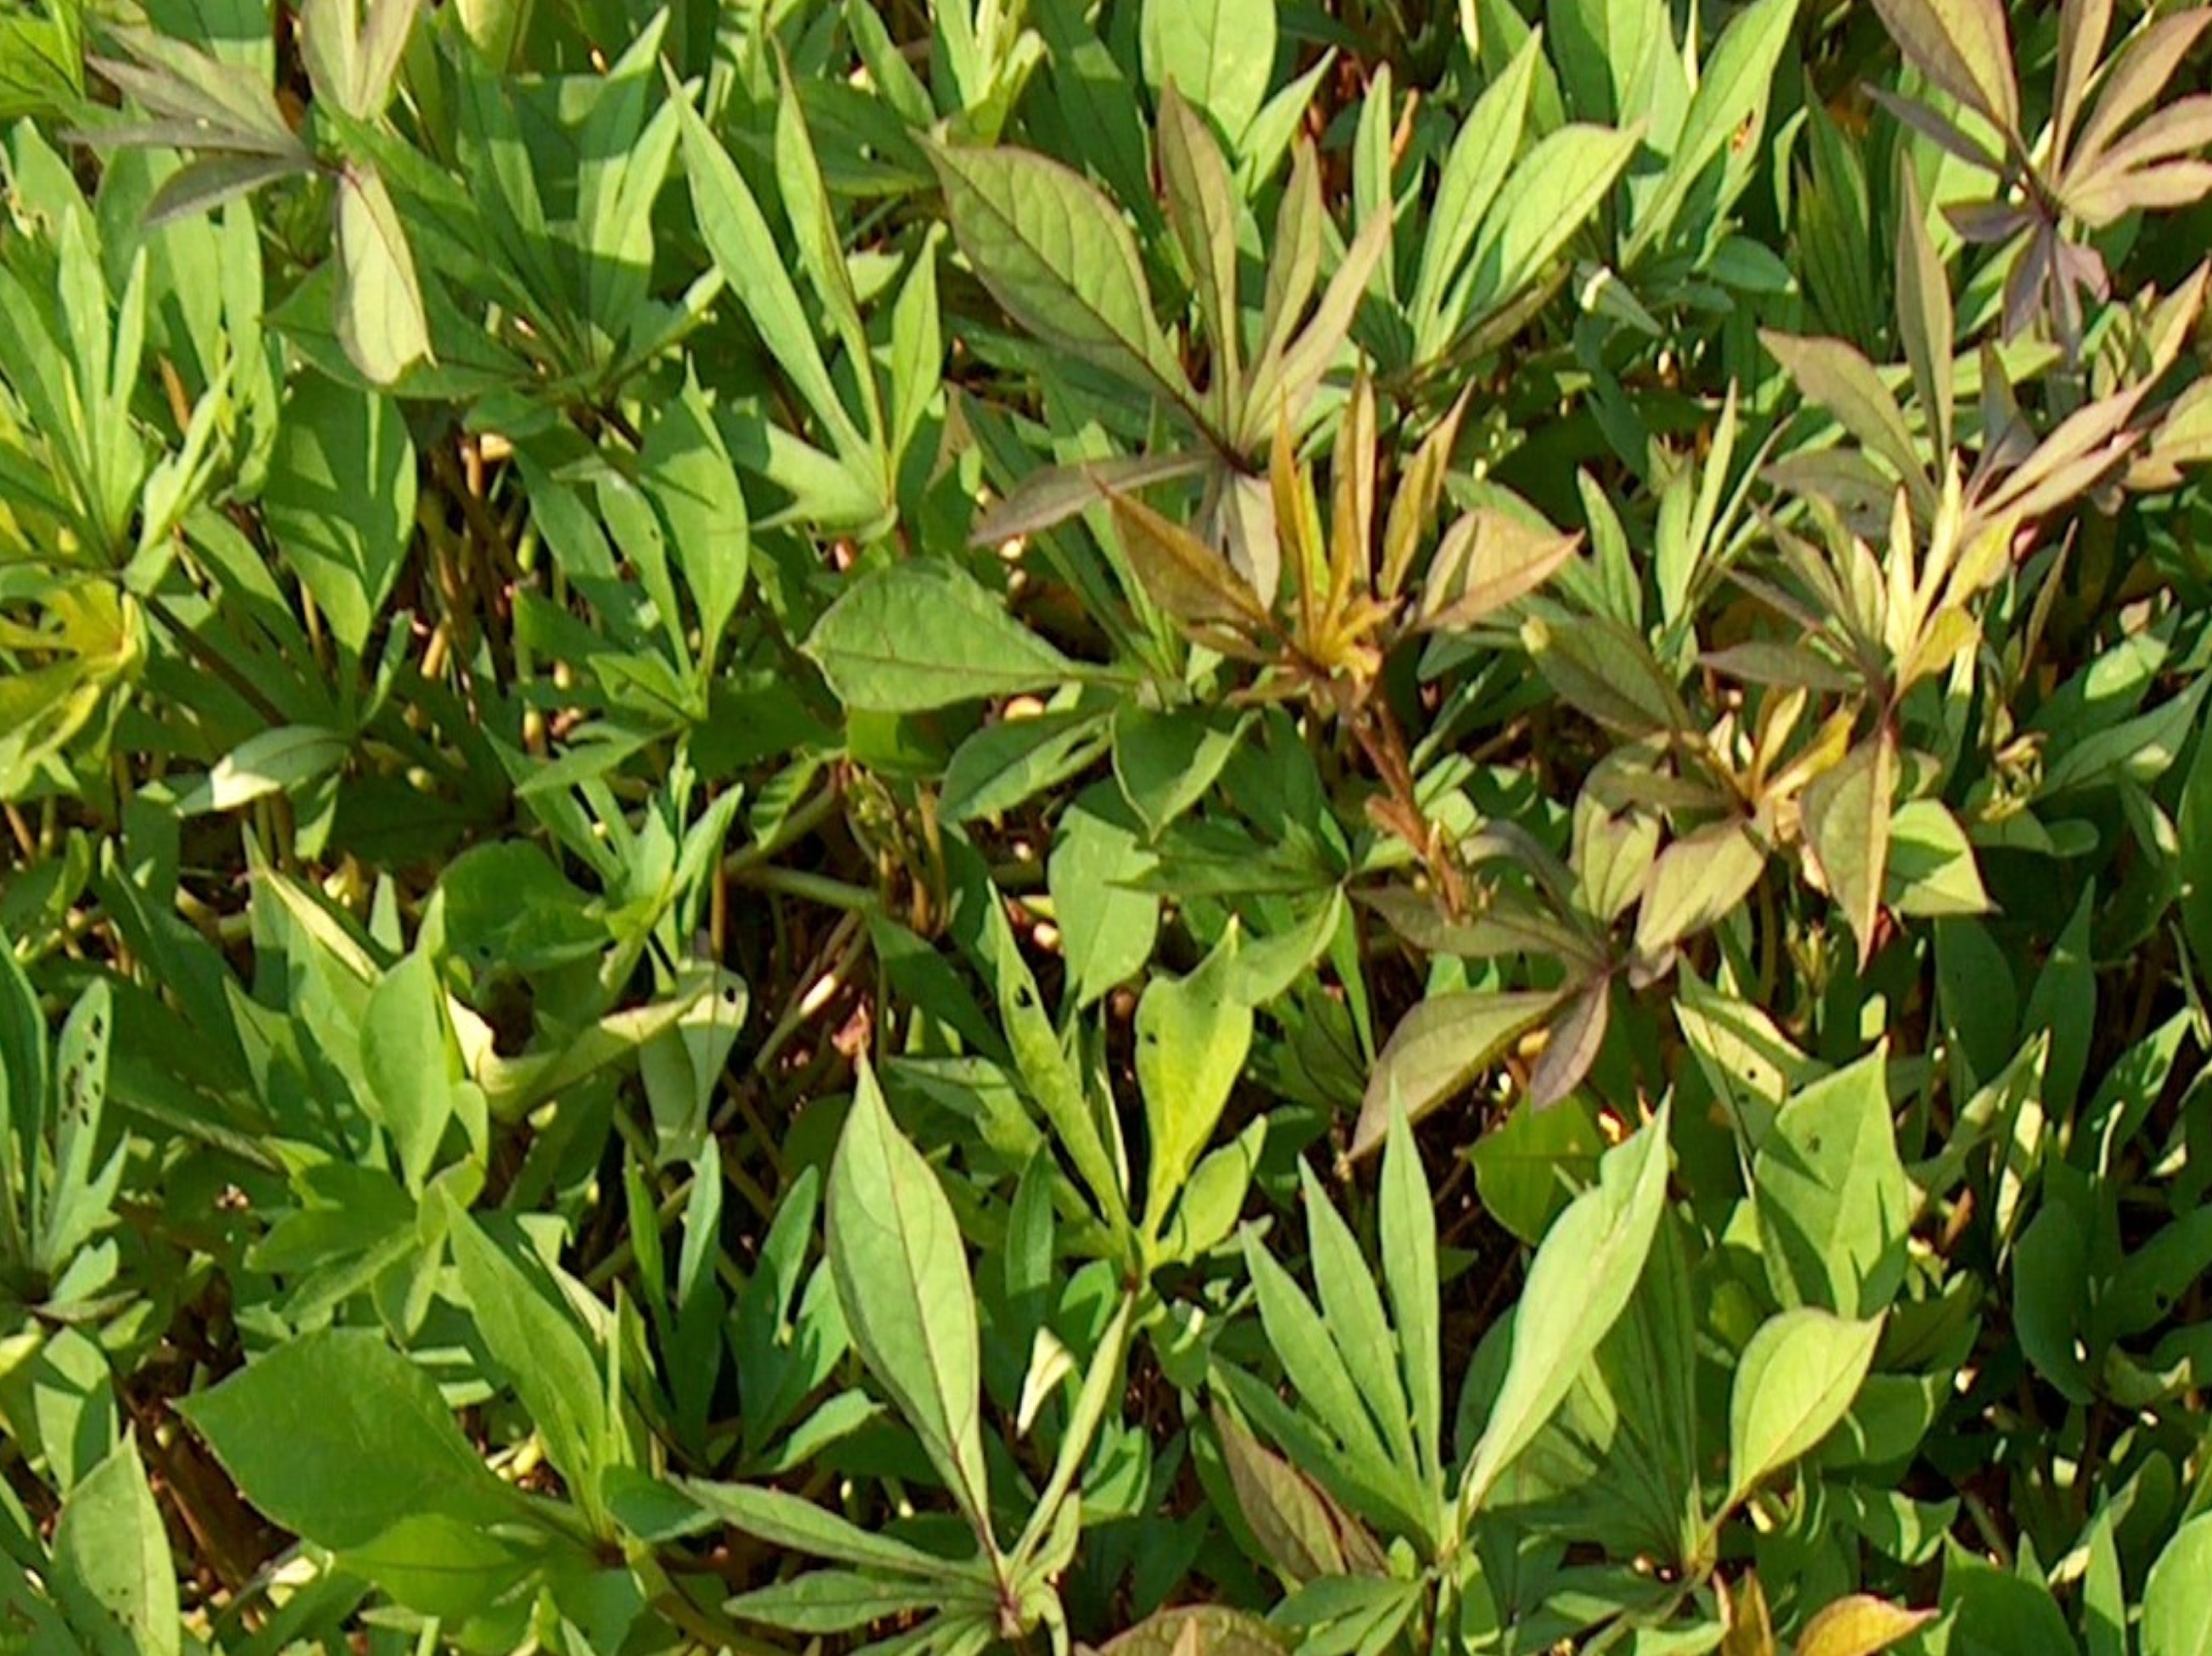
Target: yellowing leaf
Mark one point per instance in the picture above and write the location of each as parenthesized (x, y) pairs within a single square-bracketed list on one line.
[(1847, 821), (1491, 558), (1695, 883), (1860, 1625)]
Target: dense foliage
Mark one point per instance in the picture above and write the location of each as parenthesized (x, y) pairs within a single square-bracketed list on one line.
[(1184, 825)]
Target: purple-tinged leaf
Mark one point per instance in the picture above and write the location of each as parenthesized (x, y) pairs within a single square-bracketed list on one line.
[(2082, 26), (1943, 134), (1961, 45), (1575, 1038), (2137, 77)]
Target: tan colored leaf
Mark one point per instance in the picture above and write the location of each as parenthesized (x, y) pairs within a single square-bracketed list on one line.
[(1860, 1625), (1187, 579), (1503, 558), (1847, 810), (1695, 882)]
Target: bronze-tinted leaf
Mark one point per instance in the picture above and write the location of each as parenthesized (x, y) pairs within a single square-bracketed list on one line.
[(1191, 582), (1847, 822), (1488, 559), (1964, 47), (1576, 1035)]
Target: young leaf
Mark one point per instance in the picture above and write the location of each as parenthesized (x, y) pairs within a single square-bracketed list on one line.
[(1697, 881), (1846, 810), (1963, 46)]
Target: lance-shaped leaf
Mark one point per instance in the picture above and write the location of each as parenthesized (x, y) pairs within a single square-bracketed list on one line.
[(902, 1275), (1487, 559), (1695, 882), (1962, 46), (380, 319), (1579, 1283), (1840, 379), (1192, 583), (1847, 821), (1438, 1048), (1304, 1533), (1057, 255), (1192, 1035), (1924, 313)]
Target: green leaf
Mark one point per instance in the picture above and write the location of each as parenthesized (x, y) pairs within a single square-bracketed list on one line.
[(745, 252), (1057, 255), (340, 500), (902, 1275), (1932, 873), (1473, 169), (1193, 1034), (785, 1522), (1439, 1047), (2177, 1614), (403, 1060), (924, 635), (1579, 1283), (532, 1336), (1696, 882), (832, 1601), (112, 1569), (275, 761), (1409, 1273), (1734, 85), (1107, 928), (1994, 1612), (1831, 1195), (436, 1565), (1011, 762), (338, 1437), (1220, 54), (1795, 1382), (1529, 1168), (381, 321), (1552, 193), (686, 473)]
